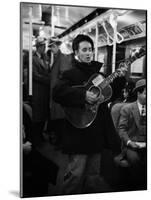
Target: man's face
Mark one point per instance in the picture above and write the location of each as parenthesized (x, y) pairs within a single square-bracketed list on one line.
[(142, 97), (41, 49), (85, 52), (54, 48)]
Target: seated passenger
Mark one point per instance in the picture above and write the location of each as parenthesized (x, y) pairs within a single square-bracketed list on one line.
[(132, 131), (127, 96)]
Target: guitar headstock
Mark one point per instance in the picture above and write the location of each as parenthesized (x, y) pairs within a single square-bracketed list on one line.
[(138, 52)]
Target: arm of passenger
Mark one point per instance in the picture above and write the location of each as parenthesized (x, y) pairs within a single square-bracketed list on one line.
[(123, 125)]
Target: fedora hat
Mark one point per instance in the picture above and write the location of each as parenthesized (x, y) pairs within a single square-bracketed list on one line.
[(54, 40), (139, 84), (40, 41)]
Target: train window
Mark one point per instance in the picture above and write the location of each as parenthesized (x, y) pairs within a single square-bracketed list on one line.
[(136, 69)]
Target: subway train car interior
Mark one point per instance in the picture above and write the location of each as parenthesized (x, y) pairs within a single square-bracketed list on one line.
[(83, 99)]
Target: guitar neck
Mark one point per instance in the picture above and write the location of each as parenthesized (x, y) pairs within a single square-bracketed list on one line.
[(109, 79)]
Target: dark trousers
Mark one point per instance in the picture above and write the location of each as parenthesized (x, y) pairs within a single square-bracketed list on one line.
[(82, 175)]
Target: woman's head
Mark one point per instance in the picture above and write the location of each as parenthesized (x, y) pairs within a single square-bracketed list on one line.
[(128, 88)]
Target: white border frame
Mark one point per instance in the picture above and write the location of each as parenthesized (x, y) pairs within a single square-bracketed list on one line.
[(9, 87)]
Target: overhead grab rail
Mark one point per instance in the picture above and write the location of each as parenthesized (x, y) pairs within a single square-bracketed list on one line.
[(110, 35), (98, 19)]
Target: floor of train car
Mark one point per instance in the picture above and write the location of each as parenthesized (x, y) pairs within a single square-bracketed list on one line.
[(114, 178)]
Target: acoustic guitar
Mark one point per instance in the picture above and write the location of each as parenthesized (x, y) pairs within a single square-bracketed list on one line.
[(83, 117)]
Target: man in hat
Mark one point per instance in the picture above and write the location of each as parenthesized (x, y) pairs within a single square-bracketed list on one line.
[(132, 131), (43, 170), (54, 44), (61, 62), (41, 88)]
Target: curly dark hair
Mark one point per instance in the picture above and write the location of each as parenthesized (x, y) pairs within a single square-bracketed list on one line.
[(80, 38)]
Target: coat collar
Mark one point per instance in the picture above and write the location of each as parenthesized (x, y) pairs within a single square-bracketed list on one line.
[(40, 60), (88, 68)]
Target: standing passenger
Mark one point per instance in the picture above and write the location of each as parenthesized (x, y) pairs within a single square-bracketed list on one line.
[(43, 170), (41, 90), (61, 62), (84, 146)]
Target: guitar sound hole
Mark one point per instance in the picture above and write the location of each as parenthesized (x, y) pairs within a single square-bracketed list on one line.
[(95, 90)]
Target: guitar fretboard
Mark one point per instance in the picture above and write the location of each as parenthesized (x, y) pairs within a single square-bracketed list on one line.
[(109, 79)]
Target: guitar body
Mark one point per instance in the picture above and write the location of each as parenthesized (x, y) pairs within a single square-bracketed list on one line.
[(82, 117)]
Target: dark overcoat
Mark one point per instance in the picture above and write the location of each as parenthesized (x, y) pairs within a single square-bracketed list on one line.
[(101, 133), (41, 89), (62, 62)]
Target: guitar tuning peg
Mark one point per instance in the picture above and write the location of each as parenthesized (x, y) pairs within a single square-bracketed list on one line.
[(121, 64)]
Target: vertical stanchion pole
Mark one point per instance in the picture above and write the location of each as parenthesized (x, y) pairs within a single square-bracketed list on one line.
[(52, 21), (30, 50), (96, 42), (114, 45), (52, 30)]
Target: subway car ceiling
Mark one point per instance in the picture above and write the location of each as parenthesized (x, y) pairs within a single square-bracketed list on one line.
[(67, 21)]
